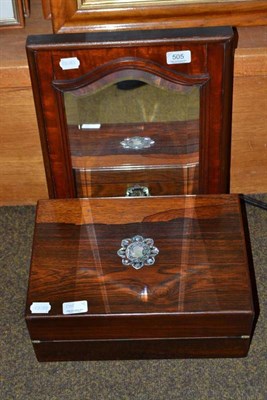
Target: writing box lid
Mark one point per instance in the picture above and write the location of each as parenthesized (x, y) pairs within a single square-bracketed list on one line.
[(86, 268)]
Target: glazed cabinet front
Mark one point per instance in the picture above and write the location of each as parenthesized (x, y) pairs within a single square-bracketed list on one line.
[(134, 113)]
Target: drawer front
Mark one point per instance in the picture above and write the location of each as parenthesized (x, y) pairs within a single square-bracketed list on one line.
[(110, 160), (142, 182)]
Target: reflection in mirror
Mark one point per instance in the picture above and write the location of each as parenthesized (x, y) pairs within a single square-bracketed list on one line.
[(133, 132)]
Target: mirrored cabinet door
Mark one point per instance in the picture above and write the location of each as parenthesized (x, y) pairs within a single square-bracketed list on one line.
[(134, 138), (134, 113)]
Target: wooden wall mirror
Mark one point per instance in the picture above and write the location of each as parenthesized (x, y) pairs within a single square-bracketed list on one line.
[(134, 113)]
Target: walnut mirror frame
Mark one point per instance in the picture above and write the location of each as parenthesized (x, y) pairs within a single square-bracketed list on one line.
[(98, 60)]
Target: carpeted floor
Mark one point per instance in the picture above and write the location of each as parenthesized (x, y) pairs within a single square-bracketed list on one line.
[(22, 377)]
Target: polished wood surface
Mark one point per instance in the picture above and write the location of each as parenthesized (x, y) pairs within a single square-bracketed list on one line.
[(102, 167), (140, 349), (199, 286), (66, 16), (22, 178), (174, 143), (112, 182), (103, 57)]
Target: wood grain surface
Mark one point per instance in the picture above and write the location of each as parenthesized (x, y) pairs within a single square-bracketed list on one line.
[(19, 185), (142, 54), (23, 179), (113, 182), (140, 349), (68, 18), (198, 287), (175, 143), (102, 167)]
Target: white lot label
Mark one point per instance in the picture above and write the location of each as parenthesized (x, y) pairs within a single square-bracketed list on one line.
[(90, 126), (69, 63), (40, 307), (178, 57), (75, 307)]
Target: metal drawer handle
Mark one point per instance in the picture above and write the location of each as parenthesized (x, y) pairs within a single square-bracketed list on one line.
[(137, 191)]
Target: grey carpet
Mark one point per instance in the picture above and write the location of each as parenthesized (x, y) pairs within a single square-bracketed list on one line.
[(22, 377)]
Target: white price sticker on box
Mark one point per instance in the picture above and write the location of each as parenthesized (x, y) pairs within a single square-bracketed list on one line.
[(69, 63), (75, 307), (40, 307)]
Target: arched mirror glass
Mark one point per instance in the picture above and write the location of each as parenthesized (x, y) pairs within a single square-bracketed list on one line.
[(134, 137)]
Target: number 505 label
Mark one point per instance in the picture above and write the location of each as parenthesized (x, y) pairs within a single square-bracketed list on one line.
[(178, 57)]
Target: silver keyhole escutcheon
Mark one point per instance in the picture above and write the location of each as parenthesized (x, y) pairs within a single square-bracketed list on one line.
[(137, 143), (138, 252)]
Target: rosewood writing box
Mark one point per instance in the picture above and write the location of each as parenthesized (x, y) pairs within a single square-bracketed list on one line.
[(127, 278)]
